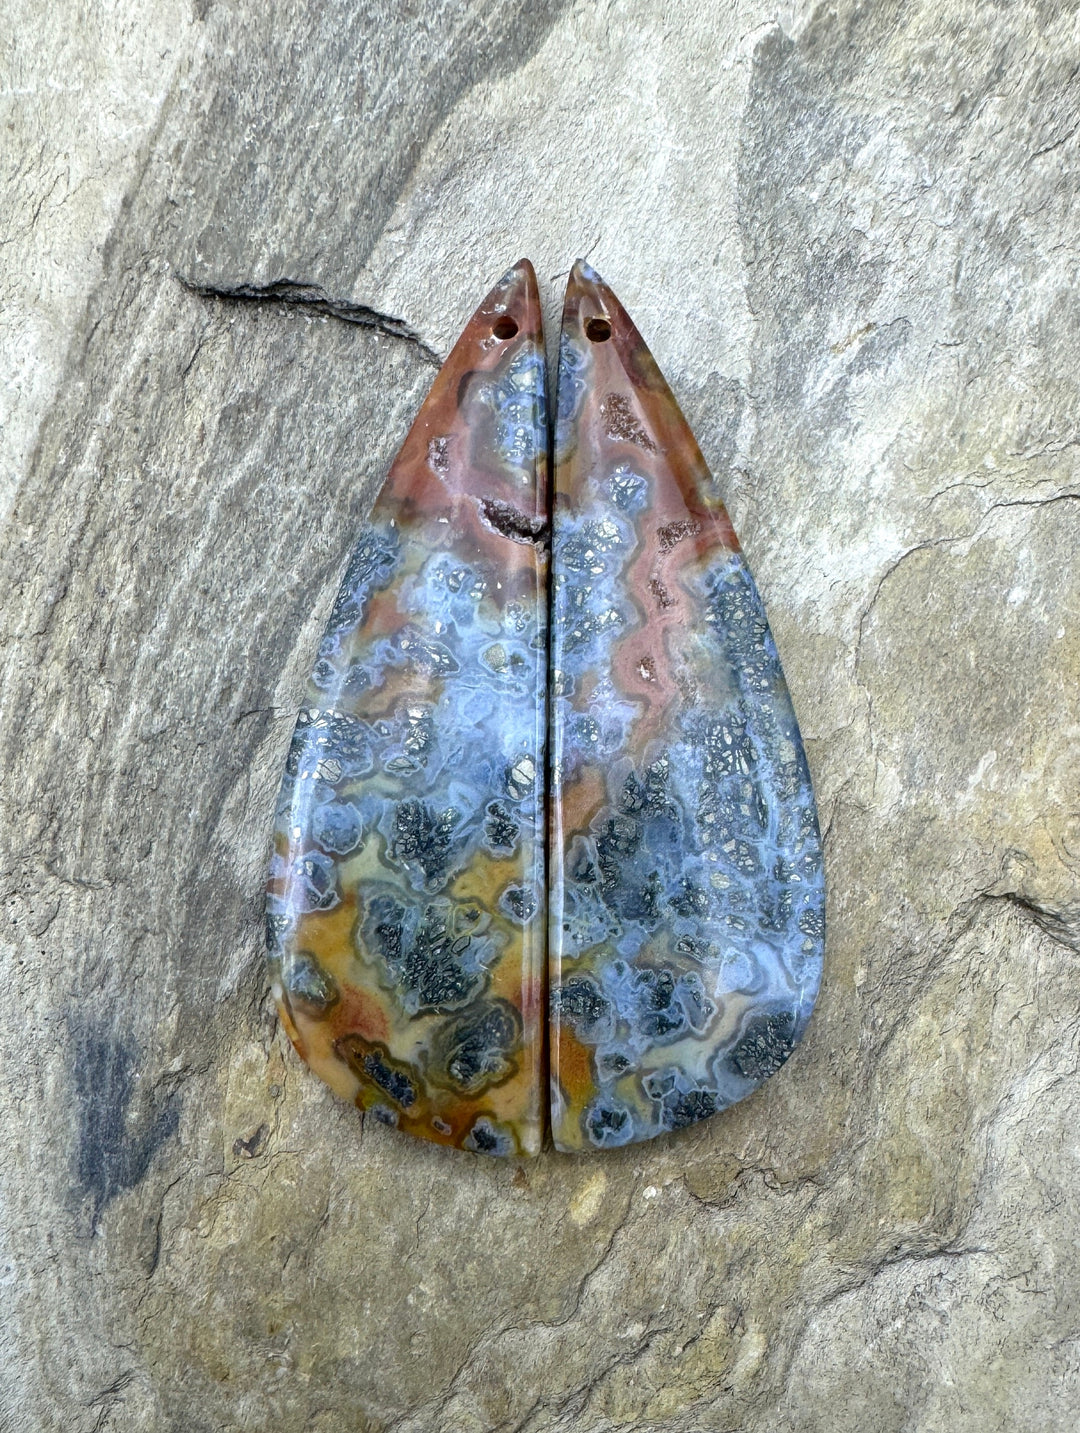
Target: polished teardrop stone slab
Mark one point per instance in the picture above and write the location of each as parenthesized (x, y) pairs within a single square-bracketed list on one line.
[(686, 900), (406, 897)]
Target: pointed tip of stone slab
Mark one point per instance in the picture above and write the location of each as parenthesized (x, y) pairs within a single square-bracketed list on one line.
[(583, 272), (585, 286), (516, 293), (592, 312)]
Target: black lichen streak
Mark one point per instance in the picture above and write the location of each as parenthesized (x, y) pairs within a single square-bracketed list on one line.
[(254, 1145), (114, 1149)]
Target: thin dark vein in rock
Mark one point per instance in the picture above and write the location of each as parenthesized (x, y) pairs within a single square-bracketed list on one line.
[(316, 300)]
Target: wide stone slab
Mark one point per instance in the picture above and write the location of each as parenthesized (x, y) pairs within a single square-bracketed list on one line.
[(405, 904), (686, 900)]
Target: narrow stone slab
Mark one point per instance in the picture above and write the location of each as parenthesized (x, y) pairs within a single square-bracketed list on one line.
[(406, 902), (686, 908)]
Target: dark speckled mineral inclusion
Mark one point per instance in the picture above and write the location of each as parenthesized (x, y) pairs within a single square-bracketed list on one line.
[(407, 900)]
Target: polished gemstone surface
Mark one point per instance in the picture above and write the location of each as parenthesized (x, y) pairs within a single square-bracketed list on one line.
[(686, 903), (406, 897)]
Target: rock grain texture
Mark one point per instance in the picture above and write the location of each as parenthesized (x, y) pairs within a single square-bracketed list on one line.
[(236, 240)]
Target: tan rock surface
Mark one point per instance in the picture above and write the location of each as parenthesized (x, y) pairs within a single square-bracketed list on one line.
[(849, 235)]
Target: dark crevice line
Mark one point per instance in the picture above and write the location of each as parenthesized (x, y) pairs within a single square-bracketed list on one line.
[(315, 299), (1053, 923)]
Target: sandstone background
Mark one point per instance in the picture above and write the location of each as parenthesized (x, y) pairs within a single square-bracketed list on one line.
[(235, 235)]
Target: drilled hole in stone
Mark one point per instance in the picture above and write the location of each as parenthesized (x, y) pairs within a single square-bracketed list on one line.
[(597, 330), (504, 328)]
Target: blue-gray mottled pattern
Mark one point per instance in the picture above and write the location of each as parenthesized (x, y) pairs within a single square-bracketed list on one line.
[(707, 851), (436, 781)]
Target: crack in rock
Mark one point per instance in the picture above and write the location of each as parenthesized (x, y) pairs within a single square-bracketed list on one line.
[(315, 299), (1061, 925)]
